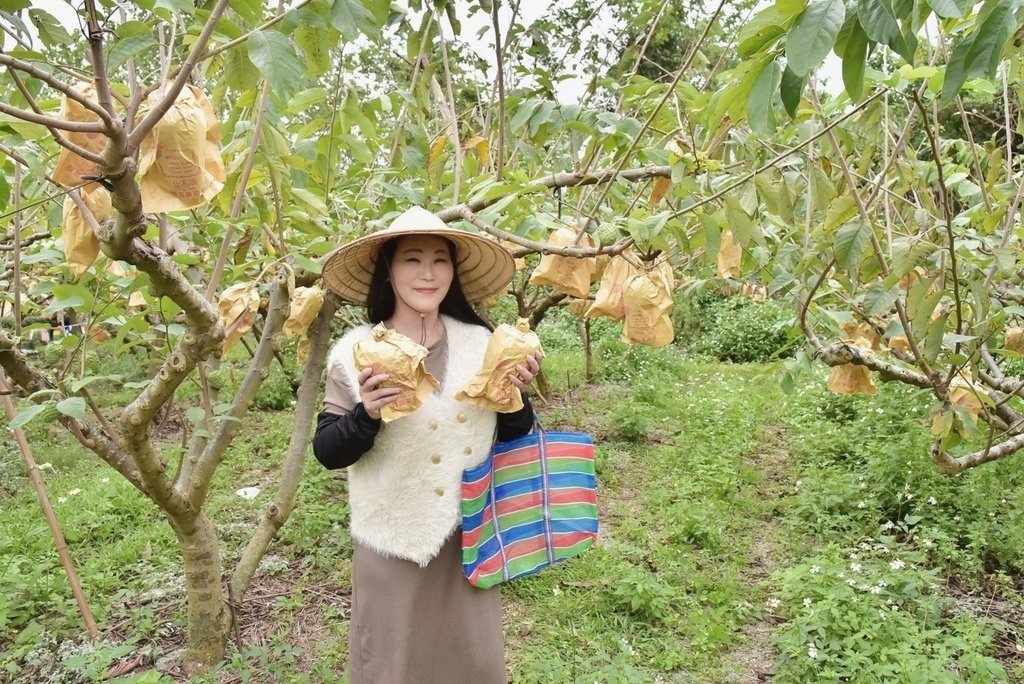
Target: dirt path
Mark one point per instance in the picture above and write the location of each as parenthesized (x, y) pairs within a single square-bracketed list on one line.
[(753, 659)]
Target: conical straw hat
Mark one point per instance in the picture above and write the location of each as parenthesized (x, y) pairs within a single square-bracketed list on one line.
[(484, 266)]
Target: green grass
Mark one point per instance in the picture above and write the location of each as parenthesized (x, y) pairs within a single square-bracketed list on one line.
[(731, 514)]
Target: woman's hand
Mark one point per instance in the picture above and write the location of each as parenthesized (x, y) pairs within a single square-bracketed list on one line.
[(523, 374), (373, 396)]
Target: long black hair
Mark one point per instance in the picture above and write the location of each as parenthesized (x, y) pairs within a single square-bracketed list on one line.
[(380, 302)]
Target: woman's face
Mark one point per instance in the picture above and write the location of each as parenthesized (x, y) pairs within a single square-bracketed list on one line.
[(421, 272)]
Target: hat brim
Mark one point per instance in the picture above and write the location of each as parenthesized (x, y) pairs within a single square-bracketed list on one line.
[(485, 268)]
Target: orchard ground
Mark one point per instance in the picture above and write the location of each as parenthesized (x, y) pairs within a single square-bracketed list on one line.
[(747, 535)]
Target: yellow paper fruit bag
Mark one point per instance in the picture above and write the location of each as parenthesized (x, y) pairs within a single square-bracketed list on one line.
[(71, 167), (389, 351), (81, 246), (236, 310), (180, 166), (851, 378), (303, 308), (730, 254), (647, 305), (491, 388), (608, 301), (1014, 339), (570, 275)]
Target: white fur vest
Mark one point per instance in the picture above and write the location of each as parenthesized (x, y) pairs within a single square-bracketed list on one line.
[(405, 494)]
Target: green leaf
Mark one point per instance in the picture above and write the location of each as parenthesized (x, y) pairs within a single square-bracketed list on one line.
[(950, 9), (760, 111), (956, 73), (14, 5), (813, 35), (854, 58), (127, 47), (171, 7), (239, 71), (851, 241), (274, 55), (50, 30), (308, 264), (316, 47), (523, 114), (351, 18), (878, 21), (311, 199), (841, 210), (791, 90), (73, 407), (69, 296), (28, 413), (994, 26), (790, 8), (762, 30), (923, 312), (933, 338), (739, 221)]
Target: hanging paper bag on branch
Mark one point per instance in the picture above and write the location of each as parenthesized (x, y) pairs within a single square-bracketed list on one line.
[(391, 352), (236, 310), (304, 306), (81, 246), (492, 388), (730, 254), (571, 275), (180, 166), (608, 301), (71, 167), (647, 306), (851, 378)]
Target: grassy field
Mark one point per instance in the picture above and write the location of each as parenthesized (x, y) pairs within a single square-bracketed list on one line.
[(747, 535)]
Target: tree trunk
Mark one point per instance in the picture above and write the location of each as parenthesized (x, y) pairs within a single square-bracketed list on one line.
[(209, 620)]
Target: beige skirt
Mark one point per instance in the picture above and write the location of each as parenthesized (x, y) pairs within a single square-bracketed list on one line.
[(413, 625)]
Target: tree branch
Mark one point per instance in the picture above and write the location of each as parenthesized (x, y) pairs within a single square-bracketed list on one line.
[(950, 465), (103, 444), (61, 140), (542, 247), (61, 87), (171, 93), (298, 447), (194, 482), (53, 122), (842, 353), (562, 180), (99, 65)]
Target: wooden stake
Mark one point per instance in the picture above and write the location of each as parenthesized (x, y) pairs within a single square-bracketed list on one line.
[(44, 502)]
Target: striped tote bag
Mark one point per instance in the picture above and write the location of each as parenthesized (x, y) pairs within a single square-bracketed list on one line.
[(531, 504)]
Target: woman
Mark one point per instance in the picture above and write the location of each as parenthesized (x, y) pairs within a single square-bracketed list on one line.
[(415, 618)]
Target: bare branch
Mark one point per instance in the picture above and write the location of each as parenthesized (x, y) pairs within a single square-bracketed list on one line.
[(305, 406), (171, 93), (194, 482), (562, 180), (842, 353), (542, 247), (53, 122), (61, 140), (499, 165), (103, 444), (61, 87), (25, 242), (950, 465), (99, 64)]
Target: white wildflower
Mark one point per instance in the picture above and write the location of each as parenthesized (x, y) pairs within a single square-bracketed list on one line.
[(61, 500), (45, 466), (876, 589), (105, 480), (773, 603), (815, 569), (897, 564), (812, 652), (807, 603), (855, 567), (75, 492), (928, 543), (888, 525), (862, 505), (932, 500), (852, 582)]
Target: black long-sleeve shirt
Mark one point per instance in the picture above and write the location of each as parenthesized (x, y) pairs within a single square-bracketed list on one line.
[(340, 440)]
